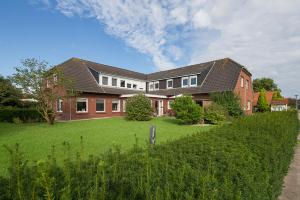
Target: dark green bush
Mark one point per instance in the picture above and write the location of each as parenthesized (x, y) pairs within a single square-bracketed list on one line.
[(243, 160), (215, 114), (229, 101), (11, 114), (138, 108), (186, 110)]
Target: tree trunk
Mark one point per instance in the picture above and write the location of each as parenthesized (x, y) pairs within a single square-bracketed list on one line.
[(51, 118)]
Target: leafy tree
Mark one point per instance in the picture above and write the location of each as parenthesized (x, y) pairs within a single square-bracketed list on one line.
[(277, 95), (186, 110), (267, 84), (138, 108), (44, 84), (9, 94), (229, 101), (262, 104)]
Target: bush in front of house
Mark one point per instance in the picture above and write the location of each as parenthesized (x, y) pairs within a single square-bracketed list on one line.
[(138, 108), (215, 114), (186, 110), (229, 101), (18, 115), (262, 104), (243, 160)]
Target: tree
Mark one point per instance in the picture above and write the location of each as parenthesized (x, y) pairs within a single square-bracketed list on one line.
[(262, 104), (9, 94), (186, 110), (277, 95), (138, 108), (44, 84), (267, 84), (229, 101)]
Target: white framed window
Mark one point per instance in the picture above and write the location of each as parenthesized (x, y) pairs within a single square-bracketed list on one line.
[(104, 80), (247, 84), (129, 85), (242, 81), (248, 105), (122, 83), (156, 85), (193, 81), (55, 78), (169, 104), (100, 105), (134, 86), (81, 105), (59, 105), (124, 105), (170, 83), (151, 86), (114, 82), (185, 81), (115, 105)]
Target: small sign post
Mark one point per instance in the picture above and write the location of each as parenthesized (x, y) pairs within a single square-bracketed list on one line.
[(152, 134)]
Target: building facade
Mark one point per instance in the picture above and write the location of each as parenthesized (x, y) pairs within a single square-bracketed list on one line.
[(103, 90)]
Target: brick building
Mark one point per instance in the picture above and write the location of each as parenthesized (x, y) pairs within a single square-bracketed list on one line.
[(103, 89)]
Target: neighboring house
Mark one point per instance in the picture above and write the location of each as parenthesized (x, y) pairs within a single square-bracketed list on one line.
[(104, 89), (275, 105)]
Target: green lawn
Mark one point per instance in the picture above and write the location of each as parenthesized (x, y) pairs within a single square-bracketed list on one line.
[(37, 139)]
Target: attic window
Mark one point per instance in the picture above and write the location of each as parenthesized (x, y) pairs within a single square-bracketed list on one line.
[(185, 81), (193, 80), (156, 85), (242, 81), (122, 83), (134, 86), (128, 85), (114, 82), (170, 83), (104, 80)]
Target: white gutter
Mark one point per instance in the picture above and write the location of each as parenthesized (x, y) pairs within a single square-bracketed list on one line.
[(147, 95)]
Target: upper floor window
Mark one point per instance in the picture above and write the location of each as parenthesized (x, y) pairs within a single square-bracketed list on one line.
[(128, 85), (193, 80), (247, 84), (81, 105), (114, 82), (151, 86), (104, 80), (122, 83), (59, 105), (248, 105), (242, 81), (185, 81), (134, 86), (100, 105), (156, 85), (170, 83)]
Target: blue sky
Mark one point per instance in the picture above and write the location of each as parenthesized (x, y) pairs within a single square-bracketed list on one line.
[(152, 35)]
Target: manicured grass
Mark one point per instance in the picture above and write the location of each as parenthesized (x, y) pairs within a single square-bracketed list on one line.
[(36, 139)]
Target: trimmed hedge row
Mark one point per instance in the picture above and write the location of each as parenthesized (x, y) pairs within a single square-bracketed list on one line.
[(10, 114), (243, 160)]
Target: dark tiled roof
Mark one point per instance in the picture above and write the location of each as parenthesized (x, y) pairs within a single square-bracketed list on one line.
[(219, 75)]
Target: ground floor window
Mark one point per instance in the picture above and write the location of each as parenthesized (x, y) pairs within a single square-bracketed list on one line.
[(100, 105), (59, 105), (169, 104), (248, 105), (115, 105), (199, 102), (124, 105), (81, 105)]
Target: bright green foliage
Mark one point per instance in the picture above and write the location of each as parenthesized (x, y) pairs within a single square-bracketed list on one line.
[(229, 101), (262, 104), (277, 95), (215, 114), (267, 84), (9, 114), (187, 110), (138, 108), (243, 160), (9, 94)]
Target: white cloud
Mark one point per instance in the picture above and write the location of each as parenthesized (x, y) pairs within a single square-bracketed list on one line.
[(262, 35)]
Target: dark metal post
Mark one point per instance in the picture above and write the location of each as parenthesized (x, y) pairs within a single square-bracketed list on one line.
[(296, 102), (152, 134)]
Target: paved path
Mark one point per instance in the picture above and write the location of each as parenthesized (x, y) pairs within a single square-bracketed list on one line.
[(291, 186)]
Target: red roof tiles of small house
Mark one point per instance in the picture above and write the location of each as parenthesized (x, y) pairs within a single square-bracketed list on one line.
[(269, 95), (279, 102)]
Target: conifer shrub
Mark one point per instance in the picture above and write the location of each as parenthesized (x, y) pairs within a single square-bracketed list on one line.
[(262, 104), (186, 110), (243, 160), (138, 108)]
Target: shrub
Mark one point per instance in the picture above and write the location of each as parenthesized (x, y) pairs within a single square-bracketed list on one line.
[(186, 110), (243, 160), (229, 101), (215, 114), (10, 114), (138, 108), (262, 104)]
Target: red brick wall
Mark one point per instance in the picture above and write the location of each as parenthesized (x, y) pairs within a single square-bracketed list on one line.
[(244, 93)]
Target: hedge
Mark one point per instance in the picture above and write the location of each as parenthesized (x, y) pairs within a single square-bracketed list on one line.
[(243, 160), (10, 114)]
